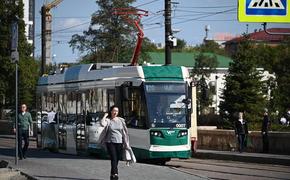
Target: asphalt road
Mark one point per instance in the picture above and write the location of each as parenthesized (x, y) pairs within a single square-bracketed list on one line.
[(46, 165)]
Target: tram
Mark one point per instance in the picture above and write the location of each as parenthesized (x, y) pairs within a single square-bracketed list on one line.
[(154, 100)]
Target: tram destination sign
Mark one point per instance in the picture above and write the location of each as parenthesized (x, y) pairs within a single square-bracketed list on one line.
[(264, 11)]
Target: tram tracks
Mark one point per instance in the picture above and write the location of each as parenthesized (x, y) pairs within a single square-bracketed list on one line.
[(253, 166), (222, 170)]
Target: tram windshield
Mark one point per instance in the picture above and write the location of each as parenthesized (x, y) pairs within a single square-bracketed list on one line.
[(165, 103)]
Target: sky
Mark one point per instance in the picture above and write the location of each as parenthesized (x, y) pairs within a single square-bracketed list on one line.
[(189, 18)]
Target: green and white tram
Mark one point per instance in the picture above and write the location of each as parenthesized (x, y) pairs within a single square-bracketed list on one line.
[(154, 100)]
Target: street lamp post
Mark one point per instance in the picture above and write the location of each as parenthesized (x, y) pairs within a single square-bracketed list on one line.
[(15, 59)]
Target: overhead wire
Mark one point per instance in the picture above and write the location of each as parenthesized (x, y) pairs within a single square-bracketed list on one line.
[(64, 29), (206, 7), (208, 15), (150, 2), (195, 19)]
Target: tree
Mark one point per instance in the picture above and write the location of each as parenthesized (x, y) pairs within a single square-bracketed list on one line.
[(110, 38), (147, 46), (211, 46), (27, 66), (204, 65), (275, 60), (181, 44), (244, 89), (281, 94)]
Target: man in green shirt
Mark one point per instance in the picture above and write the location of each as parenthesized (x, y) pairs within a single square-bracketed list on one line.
[(24, 128)]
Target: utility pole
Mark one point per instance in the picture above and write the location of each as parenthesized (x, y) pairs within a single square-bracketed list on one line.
[(168, 32), (15, 59), (45, 39)]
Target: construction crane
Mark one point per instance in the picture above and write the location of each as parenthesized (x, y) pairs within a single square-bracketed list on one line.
[(46, 21)]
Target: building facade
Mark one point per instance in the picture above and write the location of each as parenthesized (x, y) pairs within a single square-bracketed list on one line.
[(258, 37), (29, 14)]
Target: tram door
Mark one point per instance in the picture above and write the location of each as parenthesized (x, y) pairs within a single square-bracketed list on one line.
[(62, 119), (80, 123)]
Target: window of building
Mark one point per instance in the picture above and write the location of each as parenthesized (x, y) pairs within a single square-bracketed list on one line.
[(30, 32), (31, 10)]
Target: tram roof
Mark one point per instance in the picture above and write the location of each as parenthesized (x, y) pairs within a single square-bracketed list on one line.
[(89, 72)]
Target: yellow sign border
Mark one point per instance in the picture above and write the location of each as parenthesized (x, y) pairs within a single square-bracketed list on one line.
[(243, 17)]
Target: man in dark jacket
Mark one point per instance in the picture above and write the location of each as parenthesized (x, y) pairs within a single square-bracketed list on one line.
[(24, 128), (265, 128), (241, 130)]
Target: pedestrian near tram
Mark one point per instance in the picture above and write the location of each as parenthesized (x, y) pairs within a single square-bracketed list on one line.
[(115, 139), (24, 129), (265, 128), (241, 130)]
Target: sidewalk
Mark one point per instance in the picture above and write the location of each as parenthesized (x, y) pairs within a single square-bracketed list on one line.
[(244, 157), (45, 165)]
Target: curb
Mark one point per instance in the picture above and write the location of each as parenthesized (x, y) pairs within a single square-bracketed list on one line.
[(29, 177), (242, 158)]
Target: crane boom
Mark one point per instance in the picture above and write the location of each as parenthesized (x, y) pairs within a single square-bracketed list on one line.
[(46, 22), (53, 4)]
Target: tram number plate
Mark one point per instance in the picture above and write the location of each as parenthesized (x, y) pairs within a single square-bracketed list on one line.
[(180, 125)]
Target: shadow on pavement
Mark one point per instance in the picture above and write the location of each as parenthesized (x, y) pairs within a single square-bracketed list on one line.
[(56, 177), (37, 153)]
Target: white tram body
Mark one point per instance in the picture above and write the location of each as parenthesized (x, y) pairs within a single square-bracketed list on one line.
[(155, 101)]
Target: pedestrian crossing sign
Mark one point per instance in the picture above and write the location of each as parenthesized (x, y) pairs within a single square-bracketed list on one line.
[(264, 11)]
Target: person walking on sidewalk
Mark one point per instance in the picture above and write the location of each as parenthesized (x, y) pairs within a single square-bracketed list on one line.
[(24, 129), (265, 128), (116, 140), (241, 130)]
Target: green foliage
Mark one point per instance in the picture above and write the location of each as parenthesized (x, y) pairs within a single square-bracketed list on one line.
[(244, 88), (276, 61), (211, 46), (204, 66), (279, 127), (110, 38), (282, 71), (181, 45), (147, 46), (27, 66)]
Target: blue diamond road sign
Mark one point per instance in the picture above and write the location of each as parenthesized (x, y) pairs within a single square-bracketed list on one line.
[(266, 7), (264, 11)]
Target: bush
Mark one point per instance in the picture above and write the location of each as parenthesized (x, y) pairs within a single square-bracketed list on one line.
[(279, 127)]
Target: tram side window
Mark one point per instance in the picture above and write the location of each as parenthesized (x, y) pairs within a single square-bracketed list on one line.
[(49, 101), (44, 102), (134, 109), (96, 104), (71, 107), (111, 98), (62, 108)]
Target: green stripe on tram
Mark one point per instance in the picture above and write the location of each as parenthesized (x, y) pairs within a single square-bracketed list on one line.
[(146, 154), (163, 73)]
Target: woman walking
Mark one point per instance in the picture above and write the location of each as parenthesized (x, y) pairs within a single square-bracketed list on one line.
[(116, 140)]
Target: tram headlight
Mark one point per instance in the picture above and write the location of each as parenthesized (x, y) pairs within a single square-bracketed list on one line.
[(156, 133), (182, 133)]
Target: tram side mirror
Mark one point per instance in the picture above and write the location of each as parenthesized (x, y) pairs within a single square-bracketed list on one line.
[(186, 101), (125, 93)]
